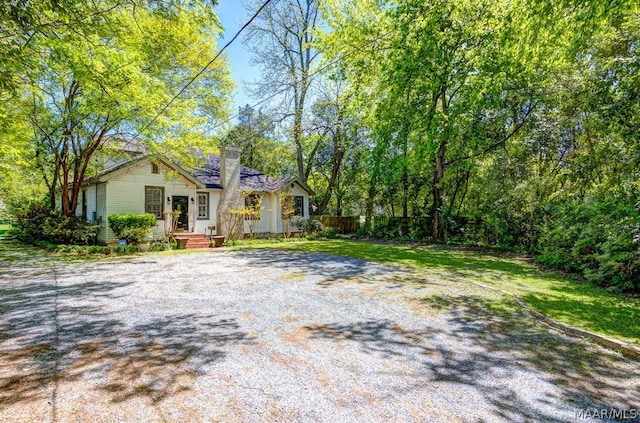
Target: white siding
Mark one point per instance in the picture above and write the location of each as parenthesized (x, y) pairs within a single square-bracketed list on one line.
[(127, 192), (92, 209), (270, 217), (214, 199), (90, 197), (101, 210), (296, 191), (264, 224)]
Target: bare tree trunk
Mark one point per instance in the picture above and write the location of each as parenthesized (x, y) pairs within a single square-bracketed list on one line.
[(285, 30), (338, 155)]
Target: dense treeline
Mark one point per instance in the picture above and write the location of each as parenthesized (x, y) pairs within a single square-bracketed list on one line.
[(514, 124)]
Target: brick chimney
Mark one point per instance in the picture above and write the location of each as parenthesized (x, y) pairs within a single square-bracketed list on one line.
[(230, 181)]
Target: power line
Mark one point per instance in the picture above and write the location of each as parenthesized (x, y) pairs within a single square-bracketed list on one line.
[(264, 100), (277, 93), (203, 70)]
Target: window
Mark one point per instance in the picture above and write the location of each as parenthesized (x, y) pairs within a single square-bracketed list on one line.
[(253, 202), (153, 203), (203, 205), (298, 205), (154, 168)]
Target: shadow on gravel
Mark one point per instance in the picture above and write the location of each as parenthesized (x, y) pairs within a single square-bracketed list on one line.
[(53, 334), (488, 344), (587, 373), (331, 267)]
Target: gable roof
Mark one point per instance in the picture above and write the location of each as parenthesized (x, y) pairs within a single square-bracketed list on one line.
[(121, 168), (205, 177)]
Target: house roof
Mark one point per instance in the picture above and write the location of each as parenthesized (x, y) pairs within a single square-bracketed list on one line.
[(250, 179), (207, 176), (120, 168)]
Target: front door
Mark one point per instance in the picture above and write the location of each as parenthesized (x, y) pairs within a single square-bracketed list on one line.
[(181, 204)]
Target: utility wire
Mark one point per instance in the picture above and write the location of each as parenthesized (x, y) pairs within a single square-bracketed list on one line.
[(203, 70), (264, 100), (277, 93)]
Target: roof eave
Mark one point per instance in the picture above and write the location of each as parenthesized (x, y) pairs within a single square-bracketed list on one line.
[(303, 185), (122, 168)]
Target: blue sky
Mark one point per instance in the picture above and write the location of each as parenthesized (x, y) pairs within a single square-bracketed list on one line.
[(233, 15)]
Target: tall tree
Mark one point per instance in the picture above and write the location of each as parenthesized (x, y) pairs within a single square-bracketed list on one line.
[(333, 126), (20, 181), (259, 149), (282, 40), (115, 79), (441, 87)]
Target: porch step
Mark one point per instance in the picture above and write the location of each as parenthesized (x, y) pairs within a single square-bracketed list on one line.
[(188, 235), (194, 240)]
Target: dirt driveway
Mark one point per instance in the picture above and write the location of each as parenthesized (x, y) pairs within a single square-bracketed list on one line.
[(260, 336)]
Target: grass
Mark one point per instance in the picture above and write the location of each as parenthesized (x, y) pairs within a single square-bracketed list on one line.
[(573, 302), (570, 301), (4, 228)]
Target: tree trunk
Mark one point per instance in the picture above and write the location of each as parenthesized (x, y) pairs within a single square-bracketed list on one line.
[(338, 154), (438, 188), (339, 204), (369, 205), (297, 139)]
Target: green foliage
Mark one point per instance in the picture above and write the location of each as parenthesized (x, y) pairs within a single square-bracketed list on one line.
[(600, 239), (132, 227), (159, 246), (107, 71), (259, 149), (41, 224), (306, 226), (512, 125), (128, 249), (329, 233), (573, 302)]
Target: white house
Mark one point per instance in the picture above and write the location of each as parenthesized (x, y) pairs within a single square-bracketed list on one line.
[(146, 184)]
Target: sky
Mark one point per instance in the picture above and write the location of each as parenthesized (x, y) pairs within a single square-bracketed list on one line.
[(233, 16)]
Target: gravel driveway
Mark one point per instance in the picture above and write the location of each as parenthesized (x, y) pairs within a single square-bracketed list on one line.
[(264, 335)]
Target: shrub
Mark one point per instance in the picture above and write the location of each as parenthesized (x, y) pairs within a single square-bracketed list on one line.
[(160, 246), (330, 233), (600, 239), (132, 227), (129, 249), (306, 226), (42, 224)]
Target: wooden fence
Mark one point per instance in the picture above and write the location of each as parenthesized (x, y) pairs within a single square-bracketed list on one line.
[(342, 224)]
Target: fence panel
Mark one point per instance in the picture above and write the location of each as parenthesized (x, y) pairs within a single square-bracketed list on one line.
[(342, 224)]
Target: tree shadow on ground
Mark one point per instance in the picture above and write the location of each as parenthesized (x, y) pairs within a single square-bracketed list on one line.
[(601, 315), (54, 333), (318, 264), (546, 291), (481, 343), (435, 257)]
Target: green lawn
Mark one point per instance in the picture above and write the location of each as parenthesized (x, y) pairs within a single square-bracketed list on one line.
[(578, 304), (4, 227)]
